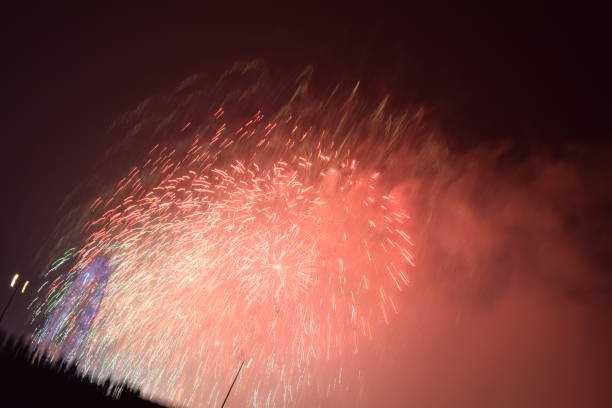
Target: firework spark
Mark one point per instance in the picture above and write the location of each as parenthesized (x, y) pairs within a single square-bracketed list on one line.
[(270, 243)]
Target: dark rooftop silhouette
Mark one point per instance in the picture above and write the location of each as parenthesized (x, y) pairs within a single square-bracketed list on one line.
[(31, 378)]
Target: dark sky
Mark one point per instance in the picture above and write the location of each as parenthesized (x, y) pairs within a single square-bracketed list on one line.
[(537, 76)]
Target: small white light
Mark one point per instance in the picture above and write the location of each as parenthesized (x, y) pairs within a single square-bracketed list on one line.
[(14, 280), (25, 285)]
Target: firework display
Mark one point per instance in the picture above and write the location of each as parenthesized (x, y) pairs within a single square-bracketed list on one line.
[(270, 242)]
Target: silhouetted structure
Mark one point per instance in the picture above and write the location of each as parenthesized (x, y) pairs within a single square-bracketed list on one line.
[(30, 378)]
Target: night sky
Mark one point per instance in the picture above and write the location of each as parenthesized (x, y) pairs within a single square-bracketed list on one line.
[(534, 79)]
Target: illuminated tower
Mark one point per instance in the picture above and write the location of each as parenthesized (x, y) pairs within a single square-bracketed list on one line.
[(68, 325)]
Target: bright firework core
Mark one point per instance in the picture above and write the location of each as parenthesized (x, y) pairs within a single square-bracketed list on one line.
[(267, 242)]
